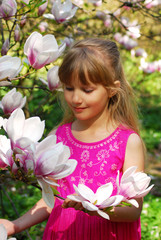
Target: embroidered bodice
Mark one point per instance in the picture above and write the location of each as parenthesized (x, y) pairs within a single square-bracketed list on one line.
[(98, 162)]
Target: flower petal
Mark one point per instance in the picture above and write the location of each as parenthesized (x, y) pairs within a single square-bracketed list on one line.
[(47, 193)]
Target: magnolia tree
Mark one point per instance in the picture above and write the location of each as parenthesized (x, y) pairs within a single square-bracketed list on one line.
[(34, 37)]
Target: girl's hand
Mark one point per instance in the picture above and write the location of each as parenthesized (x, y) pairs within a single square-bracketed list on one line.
[(9, 225), (68, 203)]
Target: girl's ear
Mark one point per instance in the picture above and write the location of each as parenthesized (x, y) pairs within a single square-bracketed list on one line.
[(113, 91)]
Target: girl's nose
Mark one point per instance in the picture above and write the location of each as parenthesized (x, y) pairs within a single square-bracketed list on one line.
[(76, 98)]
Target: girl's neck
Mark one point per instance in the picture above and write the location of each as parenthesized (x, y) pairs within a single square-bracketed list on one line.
[(92, 132)]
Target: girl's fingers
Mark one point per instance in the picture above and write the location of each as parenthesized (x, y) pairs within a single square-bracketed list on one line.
[(72, 204)]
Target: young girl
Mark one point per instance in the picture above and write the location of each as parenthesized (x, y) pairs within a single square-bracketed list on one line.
[(101, 129)]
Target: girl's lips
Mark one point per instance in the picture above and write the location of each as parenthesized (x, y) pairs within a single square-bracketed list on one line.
[(78, 109)]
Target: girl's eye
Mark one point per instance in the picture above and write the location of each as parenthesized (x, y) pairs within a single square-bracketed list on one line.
[(69, 88), (88, 90)]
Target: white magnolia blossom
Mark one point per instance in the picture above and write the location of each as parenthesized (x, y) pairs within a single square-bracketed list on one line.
[(9, 68), (63, 11), (133, 185), (150, 67), (42, 50), (1, 122), (51, 163), (5, 146), (17, 127), (96, 201), (3, 233), (8, 8), (11, 101), (140, 52)]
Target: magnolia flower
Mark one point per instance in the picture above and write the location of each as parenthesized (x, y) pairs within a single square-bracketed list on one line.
[(152, 3), (9, 68), (63, 11), (5, 47), (1, 122), (53, 80), (23, 132), (140, 52), (96, 201), (68, 41), (127, 42), (11, 101), (17, 33), (51, 162), (4, 233), (148, 67), (42, 8), (23, 20), (42, 50), (43, 26), (133, 185), (5, 145), (96, 3), (8, 8)]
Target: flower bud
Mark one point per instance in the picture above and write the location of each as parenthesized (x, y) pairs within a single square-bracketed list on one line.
[(42, 8), (5, 47), (17, 33), (53, 78)]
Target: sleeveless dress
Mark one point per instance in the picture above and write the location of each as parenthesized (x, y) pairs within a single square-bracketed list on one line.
[(98, 163)]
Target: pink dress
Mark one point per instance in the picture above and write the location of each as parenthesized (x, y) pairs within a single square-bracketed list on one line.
[(98, 164)]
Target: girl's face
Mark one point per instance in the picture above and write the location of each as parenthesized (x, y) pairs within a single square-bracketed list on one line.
[(88, 102)]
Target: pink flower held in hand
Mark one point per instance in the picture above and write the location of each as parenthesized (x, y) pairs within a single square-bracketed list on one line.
[(42, 50), (11, 101), (8, 8), (133, 185)]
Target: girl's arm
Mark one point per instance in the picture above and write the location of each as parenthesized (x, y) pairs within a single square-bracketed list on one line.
[(38, 213), (134, 157)]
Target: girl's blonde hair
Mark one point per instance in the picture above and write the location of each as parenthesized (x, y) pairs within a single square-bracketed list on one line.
[(98, 61)]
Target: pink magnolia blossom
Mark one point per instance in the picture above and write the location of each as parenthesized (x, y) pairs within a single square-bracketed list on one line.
[(8, 8), (9, 68), (133, 185), (96, 201), (11, 101), (63, 11), (42, 8), (42, 50)]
